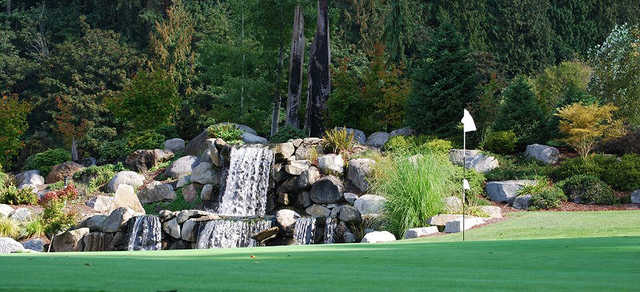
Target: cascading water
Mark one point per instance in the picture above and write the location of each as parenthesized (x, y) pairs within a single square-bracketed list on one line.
[(329, 230), (247, 183), (145, 233), (229, 233), (303, 232)]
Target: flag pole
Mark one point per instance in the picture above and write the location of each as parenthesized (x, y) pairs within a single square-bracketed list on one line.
[(464, 175)]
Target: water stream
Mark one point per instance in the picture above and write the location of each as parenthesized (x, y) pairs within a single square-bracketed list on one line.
[(145, 233)]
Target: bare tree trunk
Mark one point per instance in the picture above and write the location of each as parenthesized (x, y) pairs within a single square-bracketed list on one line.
[(295, 69), (74, 149), (275, 116), (319, 75)]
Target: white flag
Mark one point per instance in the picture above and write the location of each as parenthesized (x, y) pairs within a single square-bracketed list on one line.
[(465, 185), (467, 121)]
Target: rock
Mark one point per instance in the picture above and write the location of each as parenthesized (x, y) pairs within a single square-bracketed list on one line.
[(286, 220), (185, 215), (189, 193), (70, 240), (302, 182), (98, 241), (36, 244), (213, 152), (181, 167), (100, 203), (297, 167), (204, 174), (456, 225), (349, 214), (188, 232), (443, 219), (156, 192), (284, 151), (358, 172), (63, 171), (8, 245), (143, 160), (327, 190), (378, 236), (505, 191), (492, 211), (475, 160), (635, 197), (283, 199), (172, 228), (349, 237), (378, 139), (249, 138), (350, 198), (452, 204), (88, 161), (197, 145), (126, 177), (22, 215), (175, 145), (5, 210), (30, 177), (370, 204), (331, 164), (266, 234), (308, 148), (420, 232), (358, 135), (126, 197), (304, 199), (95, 223), (207, 193), (118, 218), (318, 211), (544, 153), (522, 202), (335, 211), (166, 215), (183, 181), (402, 132)]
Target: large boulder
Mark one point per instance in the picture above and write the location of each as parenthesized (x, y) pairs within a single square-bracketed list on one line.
[(456, 225), (125, 197), (284, 151), (143, 160), (241, 127), (370, 204), (117, 219), (9, 245), (175, 145), (5, 210), (378, 139), (286, 220), (172, 228), (522, 202), (506, 191), (98, 241), (358, 135), (402, 132), (358, 172), (35, 244), (331, 164), (198, 144), (22, 215), (126, 177), (452, 204), (635, 197), (253, 139), (301, 182), (420, 232), (189, 231), (204, 174), (70, 240), (207, 194), (156, 192), (190, 193), (181, 167), (94, 223), (492, 211), (327, 190), (349, 214), (212, 154), (544, 153), (443, 219), (475, 160), (378, 236), (308, 147), (297, 167), (63, 171), (318, 211), (100, 203), (350, 198), (30, 177)]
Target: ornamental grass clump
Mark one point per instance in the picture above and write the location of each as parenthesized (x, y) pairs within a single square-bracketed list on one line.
[(339, 140), (414, 189)]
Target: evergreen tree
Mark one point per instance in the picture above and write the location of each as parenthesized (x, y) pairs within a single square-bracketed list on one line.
[(444, 82)]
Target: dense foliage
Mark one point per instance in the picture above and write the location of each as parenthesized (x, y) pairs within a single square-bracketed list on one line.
[(46, 160), (587, 189)]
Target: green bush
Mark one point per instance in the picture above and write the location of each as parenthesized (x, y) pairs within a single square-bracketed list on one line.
[(13, 196), (476, 182), (594, 165), (112, 151), (227, 132), (588, 189), (623, 175), (514, 168), (400, 145), (338, 140), (410, 145), (96, 137), (9, 228), (34, 228), (148, 139), (438, 146), (168, 131), (55, 220), (287, 133), (56, 186), (549, 198), (44, 161), (502, 142), (95, 176)]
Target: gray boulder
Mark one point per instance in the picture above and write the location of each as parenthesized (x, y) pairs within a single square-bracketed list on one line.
[(36, 244), (350, 198), (172, 228), (5, 210), (9, 245), (522, 202), (303, 200), (378, 139), (358, 172), (95, 223), (506, 191), (204, 174), (318, 211), (544, 153), (452, 204), (117, 219), (492, 211), (475, 160), (402, 132), (125, 178), (378, 237), (183, 181), (190, 193), (175, 145), (189, 230), (331, 164), (125, 197), (212, 154), (181, 167), (420, 232), (22, 215), (635, 197), (143, 160), (30, 177), (327, 190), (302, 182), (185, 215), (286, 220), (370, 204), (443, 219), (70, 240), (358, 135), (456, 225), (207, 193), (100, 203), (284, 151), (156, 192), (253, 139), (297, 167), (349, 214)]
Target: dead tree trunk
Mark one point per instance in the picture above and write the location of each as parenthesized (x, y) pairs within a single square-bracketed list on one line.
[(295, 69), (275, 116), (319, 75), (74, 149)]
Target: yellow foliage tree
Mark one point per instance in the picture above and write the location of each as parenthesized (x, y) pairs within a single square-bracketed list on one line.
[(587, 125)]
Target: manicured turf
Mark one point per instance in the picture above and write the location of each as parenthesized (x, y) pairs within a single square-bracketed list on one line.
[(560, 264)]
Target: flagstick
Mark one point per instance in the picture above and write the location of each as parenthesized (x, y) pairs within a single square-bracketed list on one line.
[(464, 175)]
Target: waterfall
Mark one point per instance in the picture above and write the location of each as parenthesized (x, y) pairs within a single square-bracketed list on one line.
[(229, 233), (247, 183), (329, 230), (304, 230), (145, 233)]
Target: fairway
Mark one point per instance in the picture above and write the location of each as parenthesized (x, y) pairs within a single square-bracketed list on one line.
[(559, 264)]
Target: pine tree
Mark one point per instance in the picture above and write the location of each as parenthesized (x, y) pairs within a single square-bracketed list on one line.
[(444, 82)]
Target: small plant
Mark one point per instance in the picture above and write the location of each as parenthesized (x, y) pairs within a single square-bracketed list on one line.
[(399, 145), (438, 146), (501, 142), (56, 186), (13, 196), (44, 161), (587, 189), (69, 193), (34, 228), (9, 228), (54, 218), (476, 181), (95, 176), (111, 151), (544, 195), (287, 133), (230, 133), (339, 140)]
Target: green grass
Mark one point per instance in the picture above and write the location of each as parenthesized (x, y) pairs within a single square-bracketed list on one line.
[(556, 264)]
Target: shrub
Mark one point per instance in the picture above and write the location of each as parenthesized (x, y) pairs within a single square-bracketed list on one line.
[(148, 139), (414, 191), (168, 131), (287, 133), (34, 228), (14, 196), (54, 218), (628, 144), (339, 140), (550, 197), (69, 193), (399, 145), (56, 186), (230, 133), (9, 228), (409, 145), (501, 142), (13, 124), (112, 151), (95, 176), (96, 137), (623, 175), (44, 161), (438, 146), (588, 189), (512, 168), (476, 182), (594, 165)]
